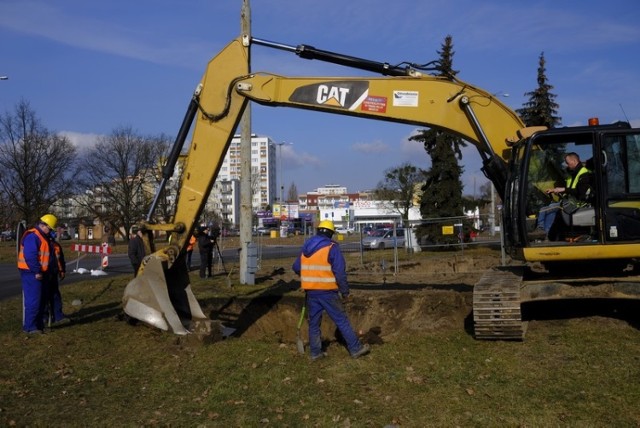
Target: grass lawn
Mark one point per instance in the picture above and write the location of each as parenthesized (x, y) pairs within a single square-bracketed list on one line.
[(102, 371)]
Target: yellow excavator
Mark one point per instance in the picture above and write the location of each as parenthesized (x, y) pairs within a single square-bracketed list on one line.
[(597, 260)]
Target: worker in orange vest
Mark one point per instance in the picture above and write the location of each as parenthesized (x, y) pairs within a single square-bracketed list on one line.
[(323, 277), (33, 262)]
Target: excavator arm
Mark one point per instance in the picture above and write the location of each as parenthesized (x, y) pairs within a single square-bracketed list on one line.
[(161, 295), (426, 101)]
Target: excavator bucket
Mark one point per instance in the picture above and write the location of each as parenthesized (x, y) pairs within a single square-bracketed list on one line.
[(163, 298)]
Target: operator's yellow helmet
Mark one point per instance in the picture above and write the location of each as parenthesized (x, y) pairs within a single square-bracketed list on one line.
[(50, 220), (327, 224)]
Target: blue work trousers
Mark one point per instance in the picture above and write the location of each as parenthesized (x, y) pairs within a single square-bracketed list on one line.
[(33, 302), (317, 303), (547, 215), (53, 306)]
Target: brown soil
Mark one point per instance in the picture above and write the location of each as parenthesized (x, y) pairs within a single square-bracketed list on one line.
[(428, 295)]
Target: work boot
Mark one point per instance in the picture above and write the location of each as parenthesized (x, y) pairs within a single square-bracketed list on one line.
[(538, 234), (363, 351), (61, 322), (319, 356)]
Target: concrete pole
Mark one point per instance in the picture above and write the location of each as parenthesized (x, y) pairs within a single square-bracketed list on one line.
[(246, 193)]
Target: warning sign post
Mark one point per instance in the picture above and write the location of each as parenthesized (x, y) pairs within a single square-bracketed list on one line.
[(103, 250)]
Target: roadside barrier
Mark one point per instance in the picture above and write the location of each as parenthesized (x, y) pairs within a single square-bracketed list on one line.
[(102, 251)]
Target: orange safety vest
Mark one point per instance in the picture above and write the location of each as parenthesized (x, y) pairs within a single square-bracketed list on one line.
[(43, 253), (315, 271), (192, 242), (57, 249)]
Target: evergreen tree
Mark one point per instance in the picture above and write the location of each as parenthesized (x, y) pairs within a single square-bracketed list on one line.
[(541, 109), (442, 191)]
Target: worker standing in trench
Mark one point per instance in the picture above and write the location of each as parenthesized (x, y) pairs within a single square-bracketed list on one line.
[(323, 276)]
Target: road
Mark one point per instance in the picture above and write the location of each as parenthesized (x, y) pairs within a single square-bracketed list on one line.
[(10, 285)]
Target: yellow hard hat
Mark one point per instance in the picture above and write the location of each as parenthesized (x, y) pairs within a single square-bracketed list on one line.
[(327, 224), (50, 220)]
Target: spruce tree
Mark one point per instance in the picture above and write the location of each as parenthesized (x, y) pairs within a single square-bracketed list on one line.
[(541, 109), (442, 191)]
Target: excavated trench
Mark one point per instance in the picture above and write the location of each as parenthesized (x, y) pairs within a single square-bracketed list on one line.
[(425, 296)]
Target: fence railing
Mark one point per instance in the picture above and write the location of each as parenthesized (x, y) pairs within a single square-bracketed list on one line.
[(456, 236)]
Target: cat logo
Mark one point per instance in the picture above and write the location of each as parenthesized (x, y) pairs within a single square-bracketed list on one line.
[(339, 94), (332, 95)]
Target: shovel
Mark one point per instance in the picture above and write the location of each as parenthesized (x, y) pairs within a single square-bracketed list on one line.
[(299, 341)]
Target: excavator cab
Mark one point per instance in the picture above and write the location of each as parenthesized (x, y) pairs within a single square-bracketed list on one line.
[(610, 216)]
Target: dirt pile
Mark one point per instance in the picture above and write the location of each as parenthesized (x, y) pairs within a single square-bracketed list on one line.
[(432, 294)]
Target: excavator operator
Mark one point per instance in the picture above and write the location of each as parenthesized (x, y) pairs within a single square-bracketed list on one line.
[(577, 193)]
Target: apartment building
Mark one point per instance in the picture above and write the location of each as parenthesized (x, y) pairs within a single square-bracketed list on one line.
[(225, 195)]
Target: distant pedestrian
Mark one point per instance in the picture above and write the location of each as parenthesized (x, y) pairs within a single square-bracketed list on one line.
[(34, 258), (136, 249), (205, 247), (323, 276)]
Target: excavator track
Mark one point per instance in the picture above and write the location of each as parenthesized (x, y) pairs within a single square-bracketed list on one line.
[(496, 306)]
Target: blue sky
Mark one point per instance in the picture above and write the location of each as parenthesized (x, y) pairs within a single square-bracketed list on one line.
[(88, 67)]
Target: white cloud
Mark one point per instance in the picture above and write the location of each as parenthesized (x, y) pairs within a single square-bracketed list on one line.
[(413, 149), (294, 160), (80, 140), (42, 19)]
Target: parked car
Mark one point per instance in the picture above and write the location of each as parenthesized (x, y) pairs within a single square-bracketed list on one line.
[(264, 231), (344, 230), (230, 232), (7, 235), (383, 238)]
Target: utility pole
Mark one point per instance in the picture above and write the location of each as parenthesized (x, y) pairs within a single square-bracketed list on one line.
[(281, 176), (247, 265)]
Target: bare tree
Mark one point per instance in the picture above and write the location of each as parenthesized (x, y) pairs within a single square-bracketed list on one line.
[(400, 188), (160, 147), (37, 165), (121, 177)]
